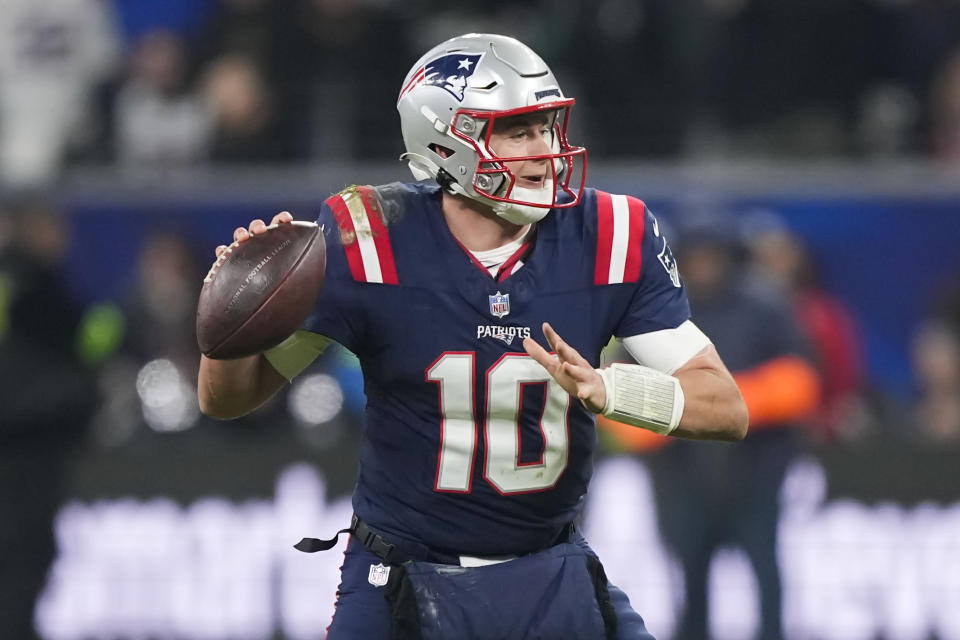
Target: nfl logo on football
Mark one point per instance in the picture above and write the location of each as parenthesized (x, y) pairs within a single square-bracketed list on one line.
[(499, 304), (378, 574)]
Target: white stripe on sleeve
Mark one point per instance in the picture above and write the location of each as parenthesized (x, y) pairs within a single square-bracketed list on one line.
[(621, 238), (368, 249)]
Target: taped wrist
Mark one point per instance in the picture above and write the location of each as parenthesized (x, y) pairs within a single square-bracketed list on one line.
[(642, 397)]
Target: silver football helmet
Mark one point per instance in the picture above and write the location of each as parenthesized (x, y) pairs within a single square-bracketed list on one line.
[(448, 104)]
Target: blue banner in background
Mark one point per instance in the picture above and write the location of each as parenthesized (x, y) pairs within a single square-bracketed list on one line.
[(888, 259)]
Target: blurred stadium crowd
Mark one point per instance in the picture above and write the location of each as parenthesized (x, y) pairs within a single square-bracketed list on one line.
[(148, 85), (142, 87)]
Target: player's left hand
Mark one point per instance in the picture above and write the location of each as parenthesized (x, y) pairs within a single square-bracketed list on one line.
[(569, 369), (257, 227)]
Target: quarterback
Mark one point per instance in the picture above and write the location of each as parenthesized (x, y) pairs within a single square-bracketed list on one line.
[(478, 300)]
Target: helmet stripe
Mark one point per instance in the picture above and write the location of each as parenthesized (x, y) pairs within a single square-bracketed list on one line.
[(414, 81)]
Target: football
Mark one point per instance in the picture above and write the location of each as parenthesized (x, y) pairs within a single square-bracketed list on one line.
[(258, 292)]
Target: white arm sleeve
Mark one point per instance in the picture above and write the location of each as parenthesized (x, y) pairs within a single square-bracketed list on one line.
[(668, 349), (294, 354)]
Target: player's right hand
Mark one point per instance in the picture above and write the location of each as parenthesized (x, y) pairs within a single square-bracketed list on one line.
[(257, 226), (569, 369)]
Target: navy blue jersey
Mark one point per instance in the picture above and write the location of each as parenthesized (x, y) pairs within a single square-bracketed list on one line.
[(471, 447)]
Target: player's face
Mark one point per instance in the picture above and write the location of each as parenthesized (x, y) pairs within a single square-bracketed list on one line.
[(524, 135)]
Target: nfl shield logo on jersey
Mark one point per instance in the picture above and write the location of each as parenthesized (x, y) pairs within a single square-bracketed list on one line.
[(499, 304), (378, 574)]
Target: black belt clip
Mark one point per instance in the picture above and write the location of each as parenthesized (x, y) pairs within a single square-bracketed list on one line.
[(373, 541), (384, 550)]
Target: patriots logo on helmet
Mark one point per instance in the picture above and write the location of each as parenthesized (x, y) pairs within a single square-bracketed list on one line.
[(449, 72)]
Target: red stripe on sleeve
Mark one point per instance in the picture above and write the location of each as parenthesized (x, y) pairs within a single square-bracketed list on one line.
[(631, 270), (348, 237), (604, 237), (388, 268)]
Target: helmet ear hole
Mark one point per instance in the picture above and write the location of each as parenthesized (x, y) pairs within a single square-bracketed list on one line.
[(440, 150)]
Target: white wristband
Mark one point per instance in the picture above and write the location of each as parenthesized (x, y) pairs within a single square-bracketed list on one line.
[(642, 397)]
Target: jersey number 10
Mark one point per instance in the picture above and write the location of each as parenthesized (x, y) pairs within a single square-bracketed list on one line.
[(454, 373)]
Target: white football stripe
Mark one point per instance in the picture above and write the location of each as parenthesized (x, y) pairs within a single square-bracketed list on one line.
[(621, 238), (368, 249)]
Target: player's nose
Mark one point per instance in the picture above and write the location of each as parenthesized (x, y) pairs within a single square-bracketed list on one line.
[(540, 148)]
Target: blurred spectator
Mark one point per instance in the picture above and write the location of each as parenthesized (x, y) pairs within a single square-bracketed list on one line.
[(700, 76), (766, 82), (359, 51), (270, 36), (52, 55), (627, 66), (935, 352), (159, 120), (945, 106), (161, 309), (712, 495), (781, 259), (148, 386), (45, 402), (152, 377), (266, 31), (887, 121), (246, 121), (925, 32)]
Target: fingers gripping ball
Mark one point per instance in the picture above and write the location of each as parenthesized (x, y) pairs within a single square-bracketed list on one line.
[(259, 291)]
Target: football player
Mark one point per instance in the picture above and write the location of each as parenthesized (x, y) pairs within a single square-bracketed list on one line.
[(478, 300)]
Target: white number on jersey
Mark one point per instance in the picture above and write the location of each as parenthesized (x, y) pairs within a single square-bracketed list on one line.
[(454, 372)]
